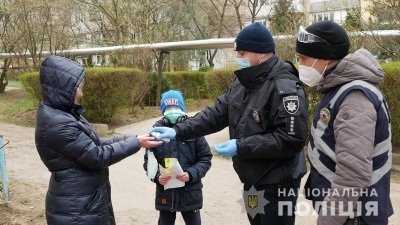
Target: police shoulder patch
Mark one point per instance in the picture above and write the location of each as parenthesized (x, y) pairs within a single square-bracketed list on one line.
[(291, 104)]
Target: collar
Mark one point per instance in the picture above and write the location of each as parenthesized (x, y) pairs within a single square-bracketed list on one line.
[(253, 76), (77, 110), (330, 70)]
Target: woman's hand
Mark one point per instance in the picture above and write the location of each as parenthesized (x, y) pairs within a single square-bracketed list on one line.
[(147, 141)]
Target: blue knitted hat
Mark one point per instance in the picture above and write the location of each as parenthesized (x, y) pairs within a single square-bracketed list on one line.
[(255, 38), (172, 98)]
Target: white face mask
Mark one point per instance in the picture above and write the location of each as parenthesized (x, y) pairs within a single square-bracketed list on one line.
[(309, 75)]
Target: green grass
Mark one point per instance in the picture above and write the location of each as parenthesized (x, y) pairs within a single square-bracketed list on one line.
[(18, 106), (40, 216), (15, 84), (25, 201)]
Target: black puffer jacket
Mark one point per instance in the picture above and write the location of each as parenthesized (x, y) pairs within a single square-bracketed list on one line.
[(194, 156), (79, 188), (266, 111)]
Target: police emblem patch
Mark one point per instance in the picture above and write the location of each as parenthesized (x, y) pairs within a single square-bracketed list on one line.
[(256, 116), (325, 115), (254, 201), (291, 104)]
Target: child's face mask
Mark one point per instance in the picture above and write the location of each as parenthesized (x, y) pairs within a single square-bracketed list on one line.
[(173, 115)]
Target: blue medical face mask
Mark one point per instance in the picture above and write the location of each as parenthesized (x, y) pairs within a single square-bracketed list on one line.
[(173, 115), (243, 63)]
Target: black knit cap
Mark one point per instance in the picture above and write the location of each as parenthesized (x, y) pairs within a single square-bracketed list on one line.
[(330, 32), (255, 38)]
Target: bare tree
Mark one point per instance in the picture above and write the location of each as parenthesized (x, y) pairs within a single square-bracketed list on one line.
[(9, 38), (254, 7), (111, 16), (236, 5)]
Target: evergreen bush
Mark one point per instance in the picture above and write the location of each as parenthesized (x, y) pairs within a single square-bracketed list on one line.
[(105, 90), (389, 87), (190, 83), (218, 81)]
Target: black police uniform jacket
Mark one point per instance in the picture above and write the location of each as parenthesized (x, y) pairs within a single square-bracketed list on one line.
[(266, 111), (194, 156), (79, 187)]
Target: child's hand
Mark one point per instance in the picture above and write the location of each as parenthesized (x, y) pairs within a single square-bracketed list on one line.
[(163, 179), (183, 177)]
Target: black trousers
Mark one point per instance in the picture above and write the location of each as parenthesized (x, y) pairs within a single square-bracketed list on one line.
[(280, 204), (190, 217)]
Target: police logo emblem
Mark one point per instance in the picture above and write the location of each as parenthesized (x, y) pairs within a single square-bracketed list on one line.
[(256, 116), (291, 104), (254, 201), (325, 115)]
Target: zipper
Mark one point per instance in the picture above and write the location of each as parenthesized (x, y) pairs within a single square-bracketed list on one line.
[(173, 201)]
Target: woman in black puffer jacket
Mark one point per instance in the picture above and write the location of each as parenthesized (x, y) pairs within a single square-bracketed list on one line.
[(79, 189)]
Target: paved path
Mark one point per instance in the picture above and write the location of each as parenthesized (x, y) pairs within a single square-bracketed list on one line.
[(222, 189), (133, 193)]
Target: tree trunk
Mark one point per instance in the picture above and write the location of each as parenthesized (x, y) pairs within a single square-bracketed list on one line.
[(3, 76)]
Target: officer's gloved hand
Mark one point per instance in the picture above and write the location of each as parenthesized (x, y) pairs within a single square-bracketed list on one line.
[(227, 149), (163, 133)]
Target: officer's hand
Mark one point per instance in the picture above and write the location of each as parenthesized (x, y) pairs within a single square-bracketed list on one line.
[(164, 133), (163, 179), (228, 148)]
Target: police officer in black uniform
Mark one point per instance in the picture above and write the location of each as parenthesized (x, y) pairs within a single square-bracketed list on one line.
[(266, 111)]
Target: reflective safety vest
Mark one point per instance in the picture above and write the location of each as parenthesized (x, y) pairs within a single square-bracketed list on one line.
[(322, 157)]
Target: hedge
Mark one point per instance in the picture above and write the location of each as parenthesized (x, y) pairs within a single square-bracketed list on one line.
[(389, 87), (190, 83), (105, 90), (218, 81)]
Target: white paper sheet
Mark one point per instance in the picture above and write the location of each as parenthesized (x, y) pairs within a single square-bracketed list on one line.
[(172, 171)]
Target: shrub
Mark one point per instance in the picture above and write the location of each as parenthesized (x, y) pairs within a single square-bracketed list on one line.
[(105, 90), (190, 83), (389, 87), (31, 83), (109, 88), (218, 81)]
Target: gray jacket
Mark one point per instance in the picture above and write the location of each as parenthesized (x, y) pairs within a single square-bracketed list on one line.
[(354, 130)]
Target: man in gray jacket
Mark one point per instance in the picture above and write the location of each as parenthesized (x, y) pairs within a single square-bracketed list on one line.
[(350, 149)]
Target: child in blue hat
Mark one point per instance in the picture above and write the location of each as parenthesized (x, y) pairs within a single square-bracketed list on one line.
[(193, 155)]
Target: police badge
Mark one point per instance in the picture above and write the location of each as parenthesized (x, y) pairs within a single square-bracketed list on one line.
[(291, 104), (256, 116), (325, 115), (254, 201)]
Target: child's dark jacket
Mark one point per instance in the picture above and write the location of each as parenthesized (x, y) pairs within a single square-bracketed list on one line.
[(194, 156)]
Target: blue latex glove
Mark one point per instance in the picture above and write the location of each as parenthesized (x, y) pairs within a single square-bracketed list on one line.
[(228, 148), (165, 133)]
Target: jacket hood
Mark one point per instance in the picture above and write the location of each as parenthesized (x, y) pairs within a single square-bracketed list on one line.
[(361, 65), (59, 80)]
